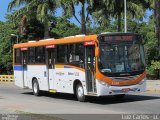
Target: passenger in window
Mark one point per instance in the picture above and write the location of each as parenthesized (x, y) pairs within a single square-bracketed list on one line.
[(38, 59)]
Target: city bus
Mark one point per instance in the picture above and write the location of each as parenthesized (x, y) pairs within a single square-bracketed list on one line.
[(93, 65)]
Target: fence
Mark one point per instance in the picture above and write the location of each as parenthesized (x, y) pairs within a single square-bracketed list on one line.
[(6, 78)]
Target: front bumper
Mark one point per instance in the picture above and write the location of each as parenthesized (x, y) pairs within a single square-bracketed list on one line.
[(104, 89)]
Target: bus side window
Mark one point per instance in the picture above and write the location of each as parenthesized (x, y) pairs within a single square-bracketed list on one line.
[(62, 54), (31, 55), (40, 55), (76, 54), (17, 56)]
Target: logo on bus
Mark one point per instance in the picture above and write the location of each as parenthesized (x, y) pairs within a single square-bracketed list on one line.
[(60, 73)]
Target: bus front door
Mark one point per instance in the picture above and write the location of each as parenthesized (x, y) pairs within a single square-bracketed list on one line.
[(50, 67), (90, 68), (24, 68)]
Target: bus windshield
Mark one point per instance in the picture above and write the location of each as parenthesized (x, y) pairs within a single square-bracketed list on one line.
[(122, 58)]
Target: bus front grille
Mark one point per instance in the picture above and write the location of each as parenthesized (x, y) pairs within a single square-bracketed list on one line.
[(124, 78)]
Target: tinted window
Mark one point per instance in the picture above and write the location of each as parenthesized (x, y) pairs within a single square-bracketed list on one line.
[(40, 55), (62, 54), (71, 54), (17, 56), (31, 55)]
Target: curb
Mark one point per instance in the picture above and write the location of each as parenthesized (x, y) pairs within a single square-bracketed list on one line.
[(6, 81), (6, 78), (153, 91)]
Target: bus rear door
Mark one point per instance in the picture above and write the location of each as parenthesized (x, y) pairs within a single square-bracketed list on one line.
[(24, 66)]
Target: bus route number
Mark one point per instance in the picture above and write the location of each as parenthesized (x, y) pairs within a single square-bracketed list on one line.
[(76, 73)]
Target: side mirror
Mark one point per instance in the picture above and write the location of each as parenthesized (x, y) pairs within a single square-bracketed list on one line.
[(97, 52)]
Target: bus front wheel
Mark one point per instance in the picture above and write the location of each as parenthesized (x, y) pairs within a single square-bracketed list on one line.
[(35, 87), (80, 93)]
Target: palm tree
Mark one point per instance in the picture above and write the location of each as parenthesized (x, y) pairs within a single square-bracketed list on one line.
[(70, 10), (115, 9), (41, 9)]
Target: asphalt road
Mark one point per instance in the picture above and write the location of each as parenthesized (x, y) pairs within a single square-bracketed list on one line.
[(16, 100)]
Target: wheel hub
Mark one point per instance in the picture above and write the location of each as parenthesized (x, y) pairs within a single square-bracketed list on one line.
[(80, 91), (35, 88)]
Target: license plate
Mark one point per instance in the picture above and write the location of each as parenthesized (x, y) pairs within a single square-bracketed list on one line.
[(126, 90)]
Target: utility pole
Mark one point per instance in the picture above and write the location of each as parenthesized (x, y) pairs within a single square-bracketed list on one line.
[(125, 16)]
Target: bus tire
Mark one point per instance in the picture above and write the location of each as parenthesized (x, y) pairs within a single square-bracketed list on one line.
[(80, 93), (121, 96), (35, 88)]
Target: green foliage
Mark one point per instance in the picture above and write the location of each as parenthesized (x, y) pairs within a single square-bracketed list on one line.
[(105, 11), (40, 9), (6, 29), (34, 30), (64, 28), (151, 73), (155, 65), (153, 69), (149, 35)]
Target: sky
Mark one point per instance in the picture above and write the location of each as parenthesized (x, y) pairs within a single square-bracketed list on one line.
[(3, 9)]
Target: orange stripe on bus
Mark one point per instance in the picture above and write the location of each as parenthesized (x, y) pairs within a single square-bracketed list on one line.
[(58, 41)]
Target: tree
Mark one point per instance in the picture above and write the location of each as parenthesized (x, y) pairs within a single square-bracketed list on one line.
[(33, 30), (6, 29), (63, 28), (42, 9), (109, 9), (70, 10)]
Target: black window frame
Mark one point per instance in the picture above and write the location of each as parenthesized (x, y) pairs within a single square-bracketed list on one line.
[(40, 55), (31, 61), (15, 56), (67, 51)]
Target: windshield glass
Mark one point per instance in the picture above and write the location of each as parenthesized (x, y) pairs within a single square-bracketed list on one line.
[(122, 57)]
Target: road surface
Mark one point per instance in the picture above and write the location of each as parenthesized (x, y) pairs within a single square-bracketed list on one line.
[(16, 100)]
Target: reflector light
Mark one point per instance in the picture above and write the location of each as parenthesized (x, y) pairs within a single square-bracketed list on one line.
[(24, 49), (89, 43), (50, 46)]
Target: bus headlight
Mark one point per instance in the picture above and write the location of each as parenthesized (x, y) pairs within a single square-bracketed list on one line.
[(140, 83), (103, 83)]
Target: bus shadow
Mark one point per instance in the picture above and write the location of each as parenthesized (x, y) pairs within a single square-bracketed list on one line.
[(62, 96), (128, 98), (98, 100)]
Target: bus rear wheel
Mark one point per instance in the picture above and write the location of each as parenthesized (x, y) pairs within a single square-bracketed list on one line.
[(80, 93), (35, 87)]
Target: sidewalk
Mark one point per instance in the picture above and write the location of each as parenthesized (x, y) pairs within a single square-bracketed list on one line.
[(153, 85)]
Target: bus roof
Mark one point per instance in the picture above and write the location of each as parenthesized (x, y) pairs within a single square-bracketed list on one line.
[(118, 33), (57, 41)]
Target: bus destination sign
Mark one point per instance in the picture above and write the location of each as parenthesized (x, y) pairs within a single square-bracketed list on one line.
[(118, 38)]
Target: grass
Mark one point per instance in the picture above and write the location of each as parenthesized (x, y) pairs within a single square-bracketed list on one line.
[(32, 116)]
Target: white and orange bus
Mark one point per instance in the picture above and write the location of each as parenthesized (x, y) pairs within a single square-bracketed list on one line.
[(94, 65)]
